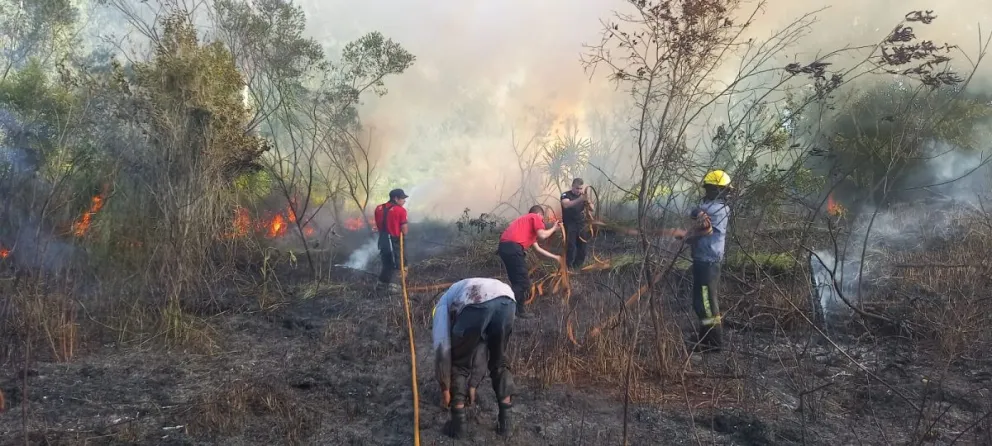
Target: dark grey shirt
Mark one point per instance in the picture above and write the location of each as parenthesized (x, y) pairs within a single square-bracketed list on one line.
[(574, 215), (710, 248)]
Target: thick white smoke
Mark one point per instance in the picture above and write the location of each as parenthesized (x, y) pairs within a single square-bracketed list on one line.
[(361, 257), (951, 183)]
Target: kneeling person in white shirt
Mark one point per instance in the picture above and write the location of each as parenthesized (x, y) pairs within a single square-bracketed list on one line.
[(472, 312)]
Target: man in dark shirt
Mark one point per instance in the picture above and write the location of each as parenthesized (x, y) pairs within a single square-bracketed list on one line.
[(391, 220), (574, 203)]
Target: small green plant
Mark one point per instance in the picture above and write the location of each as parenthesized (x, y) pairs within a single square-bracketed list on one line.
[(484, 223)]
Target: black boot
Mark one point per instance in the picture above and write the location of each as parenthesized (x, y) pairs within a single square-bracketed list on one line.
[(456, 429), (503, 423), (710, 339)]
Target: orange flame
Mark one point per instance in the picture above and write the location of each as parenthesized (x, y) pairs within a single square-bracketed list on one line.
[(277, 227), (4, 252), (242, 223), (82, 225), (834, 208), (273, 227), (354, 224)]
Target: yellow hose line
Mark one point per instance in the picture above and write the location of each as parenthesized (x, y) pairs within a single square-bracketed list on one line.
[(413, 348), (430, 288)]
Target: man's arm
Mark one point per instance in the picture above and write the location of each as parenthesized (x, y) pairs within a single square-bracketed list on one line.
[(702, 225), (568, 203), (404, 226), (545, 233), (545, 253), (441, 333)]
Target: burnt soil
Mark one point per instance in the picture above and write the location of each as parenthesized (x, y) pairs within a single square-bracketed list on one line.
[(331, 366)]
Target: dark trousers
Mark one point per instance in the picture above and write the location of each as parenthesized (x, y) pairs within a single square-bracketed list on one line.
[(389, 253), (491, 324), (705, 290), (575, 251), (480, 366), (515, 260)]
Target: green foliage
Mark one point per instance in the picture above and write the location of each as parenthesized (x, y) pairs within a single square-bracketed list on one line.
[(255, 185), (365, 63), (52, 112), (736, 150), (884, 132), (566, 157), (485, 223), (30, 92), (771, 261), (196, 89), (371, 58), (659, 192), (266, 38), (40, 29)]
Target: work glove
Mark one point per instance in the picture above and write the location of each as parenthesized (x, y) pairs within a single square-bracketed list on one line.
[(702, 222)]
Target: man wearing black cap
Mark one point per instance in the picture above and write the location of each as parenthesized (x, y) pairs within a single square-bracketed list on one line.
[(573, 218), (391, 220)]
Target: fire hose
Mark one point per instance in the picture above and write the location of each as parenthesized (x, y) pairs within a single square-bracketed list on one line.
[(413, 348), (558, 281)]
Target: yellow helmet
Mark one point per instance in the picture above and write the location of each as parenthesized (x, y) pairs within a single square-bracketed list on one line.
[(717, 178)]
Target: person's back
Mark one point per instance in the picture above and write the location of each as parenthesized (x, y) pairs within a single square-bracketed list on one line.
[(391, 222), (520, 235), (475, 290), (474, 311), (390, 218), (523, 230)]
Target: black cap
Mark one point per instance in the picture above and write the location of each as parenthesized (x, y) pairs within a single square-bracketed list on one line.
[(397, 193)]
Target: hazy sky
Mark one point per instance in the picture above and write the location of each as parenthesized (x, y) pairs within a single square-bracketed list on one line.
[(469, 51)]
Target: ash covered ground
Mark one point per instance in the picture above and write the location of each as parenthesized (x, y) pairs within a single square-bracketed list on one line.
[(329, 363)]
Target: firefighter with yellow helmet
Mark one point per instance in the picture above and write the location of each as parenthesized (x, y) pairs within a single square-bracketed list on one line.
[(707, 239)]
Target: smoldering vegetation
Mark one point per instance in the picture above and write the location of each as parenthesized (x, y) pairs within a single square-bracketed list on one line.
[(187, 253)]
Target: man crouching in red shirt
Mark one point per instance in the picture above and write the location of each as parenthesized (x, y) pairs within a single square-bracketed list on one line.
[(391, 220), (518, 237)]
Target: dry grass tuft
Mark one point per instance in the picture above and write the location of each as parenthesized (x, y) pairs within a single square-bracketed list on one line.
[(227, 411), (184, 330), (42, 315), (942, 294)]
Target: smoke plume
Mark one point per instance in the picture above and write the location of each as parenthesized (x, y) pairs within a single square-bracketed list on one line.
[(952, 183), (486, 71), (361, 257)]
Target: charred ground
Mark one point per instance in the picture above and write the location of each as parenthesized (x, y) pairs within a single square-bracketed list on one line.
[(328, 363)]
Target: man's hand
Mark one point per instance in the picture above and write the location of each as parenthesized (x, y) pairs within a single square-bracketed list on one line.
[(445, 399)]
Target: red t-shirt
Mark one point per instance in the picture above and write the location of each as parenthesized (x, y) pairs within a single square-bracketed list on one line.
[(523, 230), (394, 219)]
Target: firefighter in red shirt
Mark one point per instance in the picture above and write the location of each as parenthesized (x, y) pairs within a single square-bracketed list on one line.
[(518, 237), (391, 220)]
